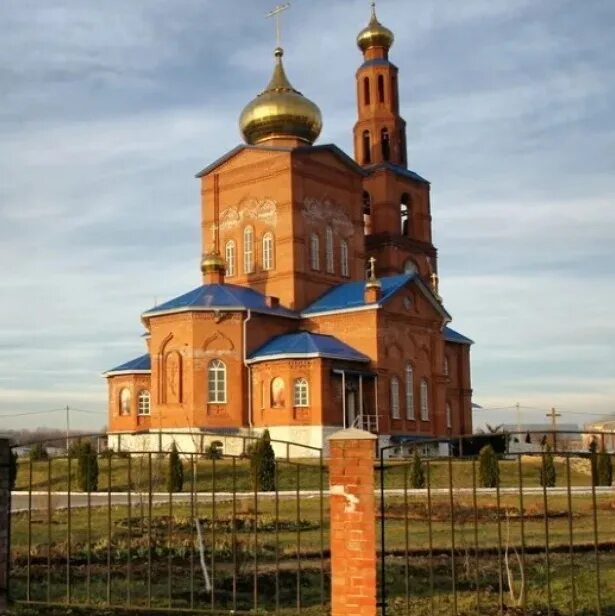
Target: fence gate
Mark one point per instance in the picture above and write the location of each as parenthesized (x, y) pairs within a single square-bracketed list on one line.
[(540, 541), (196, 530)]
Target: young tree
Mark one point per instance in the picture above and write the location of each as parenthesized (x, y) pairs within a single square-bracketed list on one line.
[(488, 467), (38, 452), (87, 467), (175, 475), (262, 464), (12, 470), (417, 472), (604, 469), (547, 469)]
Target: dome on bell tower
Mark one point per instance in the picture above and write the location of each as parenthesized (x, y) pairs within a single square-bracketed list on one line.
[(375, 34), (280, 112)]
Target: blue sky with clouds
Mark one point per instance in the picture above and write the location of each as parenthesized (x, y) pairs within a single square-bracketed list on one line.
[(107, 109)]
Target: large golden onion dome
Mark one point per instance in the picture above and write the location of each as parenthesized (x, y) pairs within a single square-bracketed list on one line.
[(212, 262), (280, 111), (375, 34)]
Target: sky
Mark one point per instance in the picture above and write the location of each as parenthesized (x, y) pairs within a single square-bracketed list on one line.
[(108, 109)]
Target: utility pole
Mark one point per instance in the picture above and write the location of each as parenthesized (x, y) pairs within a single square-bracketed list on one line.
[(553, 414)]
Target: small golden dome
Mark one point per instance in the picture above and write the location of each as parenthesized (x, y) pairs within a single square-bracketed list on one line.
[(375, 34), (212, 262), (280, 111)]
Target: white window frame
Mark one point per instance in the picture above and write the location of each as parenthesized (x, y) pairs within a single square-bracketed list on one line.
[(329, 256), (410, 413), (144, 403), (345, 270), (216, 382), (230, 253), (395, 398), (268, 256), (315, 252), (301, 392), (424, 400), (248, 250)]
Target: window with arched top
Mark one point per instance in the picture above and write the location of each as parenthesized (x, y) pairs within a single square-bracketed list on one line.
[(268, 248), (385, 142), (248, 250), (449, 415), (366, 93), (330, 263), (367, 212), (216, 382), (410, 267), (125, 401), (394, 397), (144, 403), (405, 214), (367, 148), (230, 254), (315, 251), (409, 391), (381, 88), (344, 266), (424, 400), (278, 393), (301, 392), (446, 366)]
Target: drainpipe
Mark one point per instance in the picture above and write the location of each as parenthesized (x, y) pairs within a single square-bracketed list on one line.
[(245, 363)]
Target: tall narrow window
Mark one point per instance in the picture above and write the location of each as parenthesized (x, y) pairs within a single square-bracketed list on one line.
[(449, 416), (446, 366), (366, 96), (404, 214), (367, 148), (394, 98), (409, 392), (125, 401), (248, 250), (301, 395), (385, 142), (231, 258), (424, 400), (344, 258), (395, 397), (315, 251), (367, 213), (268, 251), (216, 382), (329, 251), (381, 88), (143, 403)]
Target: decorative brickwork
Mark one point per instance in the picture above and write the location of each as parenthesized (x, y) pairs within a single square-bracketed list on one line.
[(5, 506), (353, 523)]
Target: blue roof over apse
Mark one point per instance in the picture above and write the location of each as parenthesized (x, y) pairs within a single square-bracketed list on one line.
[(214, 296), (305, 343), (450, 335), (134, 365), (350, 294)]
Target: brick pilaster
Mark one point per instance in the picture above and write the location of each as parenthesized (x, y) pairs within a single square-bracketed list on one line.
[(5, 505), (353, 523)]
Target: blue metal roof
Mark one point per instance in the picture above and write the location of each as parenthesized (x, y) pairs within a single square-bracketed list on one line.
[(350, 294), (304, 343), (139, 364), (399, 170), (450, 335), (214, 296)]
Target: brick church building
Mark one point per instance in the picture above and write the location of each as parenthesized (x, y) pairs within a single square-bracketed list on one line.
[(319, 306)]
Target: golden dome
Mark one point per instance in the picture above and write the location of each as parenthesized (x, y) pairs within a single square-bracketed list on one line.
[(280, 111), (212, 262), (375, 34)]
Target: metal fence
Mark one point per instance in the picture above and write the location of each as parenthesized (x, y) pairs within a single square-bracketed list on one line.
[(221, 542), (539, 540)]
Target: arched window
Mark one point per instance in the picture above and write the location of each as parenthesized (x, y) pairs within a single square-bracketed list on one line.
[(301, 395), (125, 401), (329, 250), (385, 142), (367, 212), (446, 367), (449, 415), (424, 400), (405, 214), (381, 88), (231, 258), (394, 397), (366, 96), (409, 392), (278, 393), (345, 270), (410, 267), (394, 98), (367, 148), (268, 251), (216, 382), (143, 403), (248, 250), (315, 251)]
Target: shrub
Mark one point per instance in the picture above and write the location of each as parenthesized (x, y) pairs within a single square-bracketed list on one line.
[(417, 472), (262, 464), (12, 470), (489, 469), (38, 452), (604, 469), (547, 469), (175, 474), (87, 468), (214, 451)]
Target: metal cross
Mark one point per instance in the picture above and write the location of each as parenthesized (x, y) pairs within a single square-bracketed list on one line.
[(275, 13), (372, 268)]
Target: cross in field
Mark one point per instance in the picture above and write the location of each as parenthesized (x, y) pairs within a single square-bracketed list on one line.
[(275, 13)]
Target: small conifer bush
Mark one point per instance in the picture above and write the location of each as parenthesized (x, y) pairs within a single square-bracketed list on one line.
[(547, 470), (488, 467), (262, 463), (38, 452), (417, 472), (604, 469), (175, 473), (87, 468)]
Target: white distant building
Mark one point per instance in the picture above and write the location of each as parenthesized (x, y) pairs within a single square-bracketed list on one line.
[(528, 438), (606, 428)]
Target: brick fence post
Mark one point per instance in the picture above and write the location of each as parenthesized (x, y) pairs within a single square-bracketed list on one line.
[(353, 523), (5, 505)]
